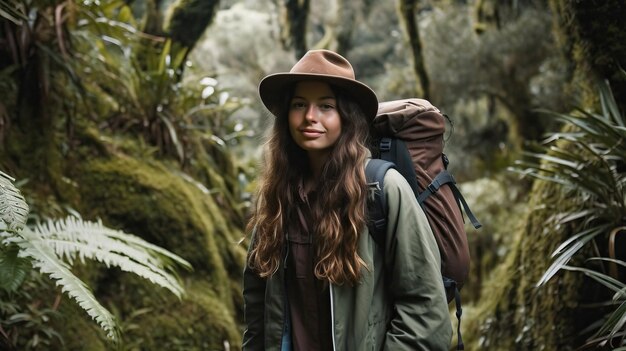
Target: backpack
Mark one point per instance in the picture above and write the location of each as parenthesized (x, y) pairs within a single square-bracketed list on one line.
[(409, 137)]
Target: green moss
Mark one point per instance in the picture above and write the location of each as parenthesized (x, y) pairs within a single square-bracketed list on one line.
[(592, 36), (200, 321), (79, 331), (165, 207), (160, 205)]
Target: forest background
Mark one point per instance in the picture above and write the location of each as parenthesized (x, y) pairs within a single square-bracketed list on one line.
[(144, 115)]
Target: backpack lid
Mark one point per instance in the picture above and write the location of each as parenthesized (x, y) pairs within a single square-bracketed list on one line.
[(409, 119)]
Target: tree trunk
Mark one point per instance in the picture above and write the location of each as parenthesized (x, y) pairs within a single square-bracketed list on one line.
[(493, 13), (592, 36), (189, 20), (293, 22), (408, 18)]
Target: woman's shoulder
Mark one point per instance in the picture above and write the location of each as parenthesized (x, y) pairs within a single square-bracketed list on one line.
[(394, 180)]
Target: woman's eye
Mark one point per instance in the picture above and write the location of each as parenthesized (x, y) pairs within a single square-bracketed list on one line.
[(297, 105), (327, 107)]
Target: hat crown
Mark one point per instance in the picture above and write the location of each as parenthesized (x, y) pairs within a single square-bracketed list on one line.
[(324, 62), (320, 65)]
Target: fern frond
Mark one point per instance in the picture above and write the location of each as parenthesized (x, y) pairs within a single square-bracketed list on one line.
[(73, 238), (46, 261), (13, 207), (13, 269)]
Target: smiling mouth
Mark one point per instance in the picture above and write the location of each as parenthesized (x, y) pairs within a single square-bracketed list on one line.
[(311, 133)]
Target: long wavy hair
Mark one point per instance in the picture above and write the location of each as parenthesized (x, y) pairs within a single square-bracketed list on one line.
[(338, 215)]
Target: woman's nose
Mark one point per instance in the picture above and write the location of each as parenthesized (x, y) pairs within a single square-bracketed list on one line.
[(311, 113)]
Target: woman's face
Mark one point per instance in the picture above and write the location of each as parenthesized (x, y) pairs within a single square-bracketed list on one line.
[(314, 122)]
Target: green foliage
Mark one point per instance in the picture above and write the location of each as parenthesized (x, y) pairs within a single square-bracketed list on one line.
[(588, 162), (47, 244), (13, 207), (33, 318), (72, 238), (13, 269)]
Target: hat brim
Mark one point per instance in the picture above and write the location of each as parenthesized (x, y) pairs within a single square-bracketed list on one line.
[(272, 89)]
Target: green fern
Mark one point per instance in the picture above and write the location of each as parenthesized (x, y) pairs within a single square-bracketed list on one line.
[(13, 207), (74, 238), (13, 269), (44, 258), (48, 244)]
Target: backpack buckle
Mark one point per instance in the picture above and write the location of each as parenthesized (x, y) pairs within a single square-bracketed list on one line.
[(385, 144), (445, 160), (434, 186)]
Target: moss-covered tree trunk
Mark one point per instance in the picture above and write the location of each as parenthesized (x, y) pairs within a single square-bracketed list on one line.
[(346, 23), (513, 314), (407, 12), (293, 18), (189, 19), (592, 35)]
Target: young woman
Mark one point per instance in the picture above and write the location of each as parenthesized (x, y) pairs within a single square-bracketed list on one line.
[(315, 279)]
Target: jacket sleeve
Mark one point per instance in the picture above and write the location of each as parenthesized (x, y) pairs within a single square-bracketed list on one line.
[(420, 319), (253, 308)]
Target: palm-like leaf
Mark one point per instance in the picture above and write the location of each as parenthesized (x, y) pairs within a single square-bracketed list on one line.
[(617, 319), (589, 162)]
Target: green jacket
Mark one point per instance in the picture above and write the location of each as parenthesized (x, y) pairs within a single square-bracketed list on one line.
[(399, 304)]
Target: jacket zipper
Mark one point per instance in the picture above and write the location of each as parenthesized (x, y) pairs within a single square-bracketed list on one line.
[(332, 316)]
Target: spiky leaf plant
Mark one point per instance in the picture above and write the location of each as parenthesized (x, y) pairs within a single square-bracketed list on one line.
[(53, 246), (588, 160)]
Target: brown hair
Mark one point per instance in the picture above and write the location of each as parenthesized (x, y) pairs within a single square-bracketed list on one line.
[(338, 215)]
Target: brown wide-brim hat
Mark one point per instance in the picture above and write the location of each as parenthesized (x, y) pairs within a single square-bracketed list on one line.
[(319, 65)]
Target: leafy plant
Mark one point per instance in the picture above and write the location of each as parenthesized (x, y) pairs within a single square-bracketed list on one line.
[(588, 161), (52, 247)]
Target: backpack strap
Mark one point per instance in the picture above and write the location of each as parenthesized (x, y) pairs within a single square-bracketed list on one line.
[(444, 177), (377, 204), (450, 284), (395, 150)]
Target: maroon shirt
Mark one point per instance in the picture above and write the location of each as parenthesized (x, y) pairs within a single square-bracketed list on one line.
[(308, 297)]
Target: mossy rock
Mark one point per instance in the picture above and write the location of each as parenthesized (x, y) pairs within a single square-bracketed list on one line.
[(78, 330), (165, 207), (199, 321)]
